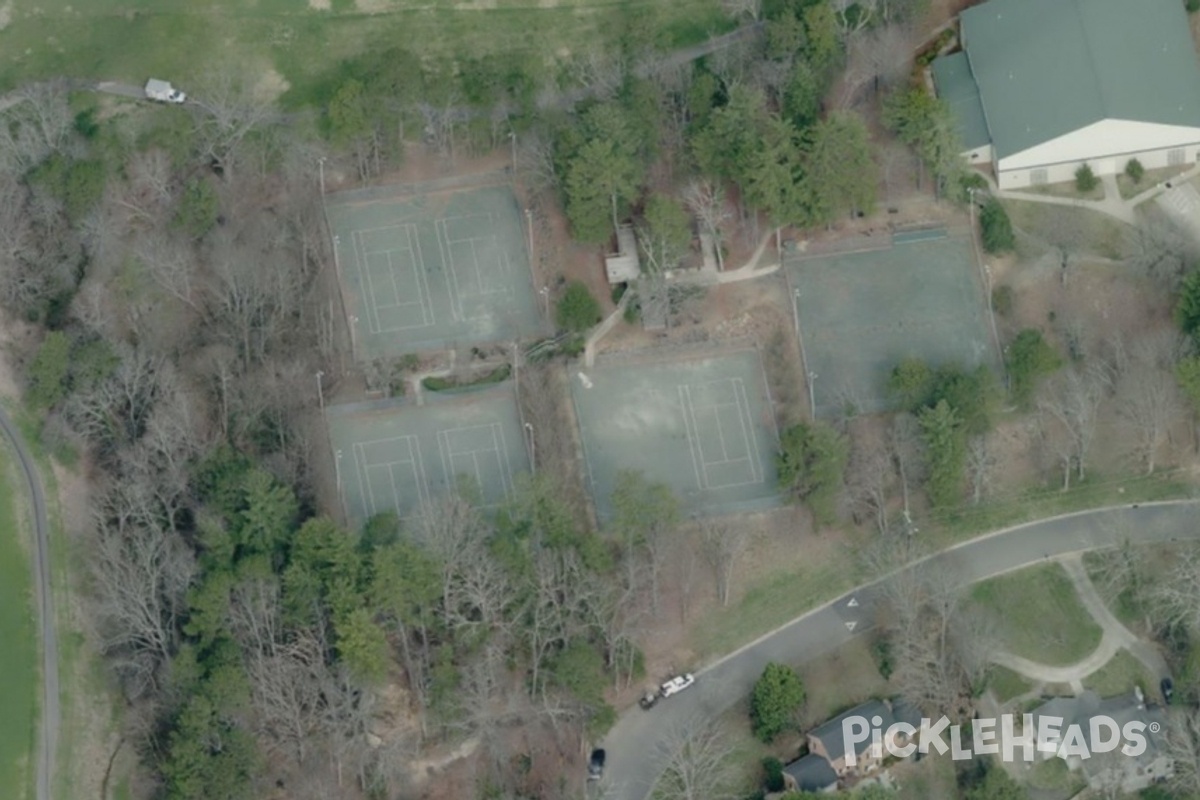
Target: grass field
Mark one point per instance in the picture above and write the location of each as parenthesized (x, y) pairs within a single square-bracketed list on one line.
[(131, 40), (1006, 684), (1119, 676), (1038, 615), (18, 664)]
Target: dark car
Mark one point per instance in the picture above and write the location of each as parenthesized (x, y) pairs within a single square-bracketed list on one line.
[(596, 765), (1168, 690), (648, 700)]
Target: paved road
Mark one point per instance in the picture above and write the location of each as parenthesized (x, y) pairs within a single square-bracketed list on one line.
[(633, 754), (45, 605)]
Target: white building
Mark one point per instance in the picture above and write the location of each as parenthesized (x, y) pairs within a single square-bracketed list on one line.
[(1045, 86)]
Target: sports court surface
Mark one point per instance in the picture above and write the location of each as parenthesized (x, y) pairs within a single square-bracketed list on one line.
[(426, 271), (395, 456), (860, 313), (703, 426)]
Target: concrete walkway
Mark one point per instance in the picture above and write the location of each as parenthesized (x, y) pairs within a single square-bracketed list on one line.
[(1115, 637)]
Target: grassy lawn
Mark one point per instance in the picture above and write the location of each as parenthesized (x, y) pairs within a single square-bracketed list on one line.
[(1149, 178), (1065, 189), (933, 776), (776, 599), (131, 40), (1097, 491), (1119, 676), (19, 664), (1104, 235), (1053, 775), (1038, 615), (841, 680), (1006, 684)]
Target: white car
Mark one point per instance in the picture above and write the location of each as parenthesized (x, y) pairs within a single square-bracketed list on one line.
[(677, 684)]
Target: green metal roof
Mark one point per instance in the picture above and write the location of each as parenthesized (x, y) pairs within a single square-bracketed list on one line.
[(955, 84), (1045, 68)]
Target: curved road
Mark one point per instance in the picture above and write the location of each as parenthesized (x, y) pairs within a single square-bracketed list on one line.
[(633, 743), (45, 606)]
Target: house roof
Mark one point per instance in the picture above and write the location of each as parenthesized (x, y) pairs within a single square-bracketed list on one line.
[(812, 773), (1121, 709), (1045, 68), (830, 733), (955, 84)]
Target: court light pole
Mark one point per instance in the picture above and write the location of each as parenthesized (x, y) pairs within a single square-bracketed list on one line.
[(321, 172), (512, 136), (529, 221), (812, 393), (532, 447), (320, 390), (545, 293)]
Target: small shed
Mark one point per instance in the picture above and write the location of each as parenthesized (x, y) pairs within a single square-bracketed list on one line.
[(623, 266)]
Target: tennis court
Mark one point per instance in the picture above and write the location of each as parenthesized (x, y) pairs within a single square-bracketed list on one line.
[(395, 456), (703, 426), (860, 313), (430, 271)]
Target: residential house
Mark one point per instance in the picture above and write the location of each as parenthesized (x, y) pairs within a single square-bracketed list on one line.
[(1114, 770), (826, 765)]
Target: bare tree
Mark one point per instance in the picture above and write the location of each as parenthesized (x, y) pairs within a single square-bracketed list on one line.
[(140, 576), (38, 125), (1175, 598), (230, 112), (879, 56), (981, 464), (1072, 401), (706, 200), (908, 453), (1147, 401), (1183, 746), (724, 545), (697, 763), (869, 473), (1163, 249)]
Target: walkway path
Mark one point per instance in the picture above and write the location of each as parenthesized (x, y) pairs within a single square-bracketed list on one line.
[(48, 743), (1115, 638)]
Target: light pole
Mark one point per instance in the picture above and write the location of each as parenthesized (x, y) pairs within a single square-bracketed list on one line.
[(321, 172), (529, 221), (320, 390), (512, 136), (812, 393), (545, 293), (532, 448)]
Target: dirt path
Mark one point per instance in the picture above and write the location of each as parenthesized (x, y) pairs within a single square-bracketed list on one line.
[(45, 606)]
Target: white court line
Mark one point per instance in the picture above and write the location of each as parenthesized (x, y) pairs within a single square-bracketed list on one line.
[(452, 285), (685, 402), (743, 400), (413, 462), (498, 448), (392, 278), (419, 261), (422, 288), (360, 462), (501, 459), (365, 269)]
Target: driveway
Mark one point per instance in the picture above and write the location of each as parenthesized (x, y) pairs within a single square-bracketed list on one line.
[(633, 743), (1182, 204)]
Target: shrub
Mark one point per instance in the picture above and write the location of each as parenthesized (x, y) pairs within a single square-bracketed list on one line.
[(1002, 300), (618, 292), (810, 465), (1133, 168), (1029, 359), (772, 774), (996, 228), (1085, 179), (577, 310), (777, 697)]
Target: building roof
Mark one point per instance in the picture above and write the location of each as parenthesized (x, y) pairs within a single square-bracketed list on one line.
[(955, 84), (624, 265), (1045, 68), (1122, 708), (830, 733), (812, 773)]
